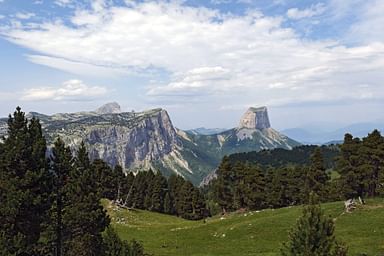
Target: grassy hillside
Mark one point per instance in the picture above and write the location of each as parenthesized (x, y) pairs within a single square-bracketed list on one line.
[(252, 233)]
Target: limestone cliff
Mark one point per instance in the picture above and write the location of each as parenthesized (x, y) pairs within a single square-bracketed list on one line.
[(255, 118), (148, 139)]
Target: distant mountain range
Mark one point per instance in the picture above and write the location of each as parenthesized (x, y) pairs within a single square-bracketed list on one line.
[(143, 140), (313, 136), (206, 131)]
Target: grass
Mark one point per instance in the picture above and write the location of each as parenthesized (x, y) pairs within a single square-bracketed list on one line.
[(251, 233)]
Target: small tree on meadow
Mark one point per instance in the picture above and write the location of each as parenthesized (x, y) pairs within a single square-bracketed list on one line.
[(313, 234)]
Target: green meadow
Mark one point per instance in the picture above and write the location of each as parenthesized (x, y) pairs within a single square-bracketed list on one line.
[(246, 233)]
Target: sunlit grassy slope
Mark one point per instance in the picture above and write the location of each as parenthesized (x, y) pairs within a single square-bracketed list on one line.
[(251, 233)]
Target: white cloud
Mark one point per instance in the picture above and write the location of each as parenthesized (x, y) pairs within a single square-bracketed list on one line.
[(194, 82), (314, 10), (78, 68), (24, 15), (64, 3), (209, 55), (370, 25), (221, 1), (69, 90)]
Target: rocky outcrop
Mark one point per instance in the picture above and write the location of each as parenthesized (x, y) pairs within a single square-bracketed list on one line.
[(147, 140), (255, 118), (109, 108)]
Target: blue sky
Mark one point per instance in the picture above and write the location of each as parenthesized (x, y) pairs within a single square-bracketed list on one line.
[(206, 62)]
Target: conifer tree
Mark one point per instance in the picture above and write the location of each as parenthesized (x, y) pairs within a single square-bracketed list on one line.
[(372, 162), (114, 246), (316, 177), (224, 185), (159, 188), (62, 167), (84, 217), (313, 234), (106, 179), (24, 178), (348, 162), (255, 187), (175, 182)]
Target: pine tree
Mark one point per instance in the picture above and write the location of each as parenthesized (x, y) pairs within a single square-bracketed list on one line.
[(62, 166), (348, 162), (84, 217), (255, 187), (114, 246), (159, 188), (372, 161), (107, 182), (316, 178), (223, 185), (175, 182), (313, 234), (148, 188), (24, 178)]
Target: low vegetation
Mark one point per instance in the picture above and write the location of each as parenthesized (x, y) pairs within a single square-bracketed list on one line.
[(247, 233)]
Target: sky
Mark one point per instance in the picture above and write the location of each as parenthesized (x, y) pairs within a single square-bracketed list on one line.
[(205, 62)]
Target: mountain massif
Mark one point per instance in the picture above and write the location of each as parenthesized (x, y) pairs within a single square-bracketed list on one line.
[(143, 140)]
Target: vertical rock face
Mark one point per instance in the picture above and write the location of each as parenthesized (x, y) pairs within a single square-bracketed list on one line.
[(255, 118), (150, 139)]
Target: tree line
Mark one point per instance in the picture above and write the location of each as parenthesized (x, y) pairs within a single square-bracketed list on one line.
[(151, 191), (51, 205), (246, 184)]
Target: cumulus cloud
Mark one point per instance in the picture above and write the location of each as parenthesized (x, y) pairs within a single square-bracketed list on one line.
[(314, 10), (69, 90), (197, 81), (230, 58)]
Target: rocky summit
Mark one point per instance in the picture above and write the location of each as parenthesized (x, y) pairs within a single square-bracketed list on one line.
[(148, 139), (109, 108), (255, 118)]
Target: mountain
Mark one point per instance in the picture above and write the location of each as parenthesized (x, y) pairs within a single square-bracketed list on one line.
[(206, 131), (313, 136), (109, 108), (148, 139)]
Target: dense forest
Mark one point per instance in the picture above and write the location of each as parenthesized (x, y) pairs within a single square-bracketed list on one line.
[(278, 178), (153, 192), (51, 206), (300, 155)]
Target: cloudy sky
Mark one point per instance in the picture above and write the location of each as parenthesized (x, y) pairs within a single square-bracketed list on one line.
[(205, 61)]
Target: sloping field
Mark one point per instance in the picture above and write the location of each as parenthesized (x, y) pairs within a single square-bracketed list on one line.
[(251, 233)]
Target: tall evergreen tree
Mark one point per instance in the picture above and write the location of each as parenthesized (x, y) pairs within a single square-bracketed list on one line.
[(372, 162), (84, 217), (352, 179), (159, 189), (106, 179), (223, 185), (316, 177), (23, 180), (62, 167)]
